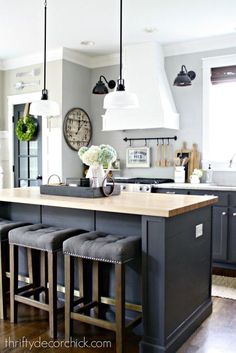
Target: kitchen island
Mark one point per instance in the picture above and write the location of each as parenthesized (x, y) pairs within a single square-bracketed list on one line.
[(176, 251)]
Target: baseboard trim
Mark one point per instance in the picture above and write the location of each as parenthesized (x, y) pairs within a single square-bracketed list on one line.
[(181, 334)]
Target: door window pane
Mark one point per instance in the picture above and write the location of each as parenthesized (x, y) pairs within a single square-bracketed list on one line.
[(33, 148), (33, 167), (23, 166), (23, 148)]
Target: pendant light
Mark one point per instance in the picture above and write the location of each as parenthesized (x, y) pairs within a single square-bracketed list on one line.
[(120, 99), (45, 107), (184, 77)]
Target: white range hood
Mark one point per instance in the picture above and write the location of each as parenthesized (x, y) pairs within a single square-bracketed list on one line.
[(144, 74)]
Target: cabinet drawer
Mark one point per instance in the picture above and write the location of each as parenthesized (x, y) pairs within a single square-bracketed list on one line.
[(171, 191), (223, 197)]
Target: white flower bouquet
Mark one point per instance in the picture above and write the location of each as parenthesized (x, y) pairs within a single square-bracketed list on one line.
[(97, 157)]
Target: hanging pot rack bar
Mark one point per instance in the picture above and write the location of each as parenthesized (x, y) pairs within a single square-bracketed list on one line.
[(163, 139)]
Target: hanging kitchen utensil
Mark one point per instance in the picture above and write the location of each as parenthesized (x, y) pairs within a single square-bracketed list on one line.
[(158, 159), (168, 154), (163, 161)]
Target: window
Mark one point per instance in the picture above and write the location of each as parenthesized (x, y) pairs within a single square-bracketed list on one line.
[(219, 114)]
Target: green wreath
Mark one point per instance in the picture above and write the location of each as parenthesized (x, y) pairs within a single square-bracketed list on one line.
[(26, 128)]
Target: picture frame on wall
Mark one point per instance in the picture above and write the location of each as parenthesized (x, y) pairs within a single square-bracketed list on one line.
[(138, 157)]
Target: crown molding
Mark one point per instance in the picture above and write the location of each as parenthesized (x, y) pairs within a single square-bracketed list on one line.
[(105, 60), (61, 54), (74, 56), (34, 59), (88, 61), (200, 45), (77, 57)]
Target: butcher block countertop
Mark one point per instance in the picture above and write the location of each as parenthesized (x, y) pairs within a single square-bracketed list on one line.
[(146, 204)]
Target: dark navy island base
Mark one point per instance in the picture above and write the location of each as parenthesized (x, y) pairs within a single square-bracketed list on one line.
[(176, 266)]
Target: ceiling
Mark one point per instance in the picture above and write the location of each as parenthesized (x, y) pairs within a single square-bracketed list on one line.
[(72, 21)]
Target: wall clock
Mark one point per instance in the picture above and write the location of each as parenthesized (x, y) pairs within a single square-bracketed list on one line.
[(77, 128)]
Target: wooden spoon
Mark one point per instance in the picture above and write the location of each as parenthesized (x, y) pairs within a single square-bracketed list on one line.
[(163, 161), (158, 160)]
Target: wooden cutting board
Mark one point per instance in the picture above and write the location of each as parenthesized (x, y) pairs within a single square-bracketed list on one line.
[(194, 161)]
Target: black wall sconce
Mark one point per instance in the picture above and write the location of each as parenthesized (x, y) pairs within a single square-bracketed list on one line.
[(101, 88), (184, 77)]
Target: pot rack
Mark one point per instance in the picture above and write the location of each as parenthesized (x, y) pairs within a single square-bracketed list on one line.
[(163, 139)]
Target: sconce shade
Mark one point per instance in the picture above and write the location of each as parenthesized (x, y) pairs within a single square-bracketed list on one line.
[(184, 77), (101, 88)]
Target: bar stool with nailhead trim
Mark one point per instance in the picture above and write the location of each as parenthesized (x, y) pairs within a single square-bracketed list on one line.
[(5, 227), (48, 240), (100, 247)]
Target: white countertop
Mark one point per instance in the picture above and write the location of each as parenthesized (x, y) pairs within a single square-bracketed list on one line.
[(201, 186)]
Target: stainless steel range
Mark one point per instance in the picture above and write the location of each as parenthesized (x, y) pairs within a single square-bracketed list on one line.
[(140, 184)]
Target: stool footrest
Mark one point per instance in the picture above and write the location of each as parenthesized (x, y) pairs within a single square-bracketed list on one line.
[(24, 288), (93, 321), (33, 291), (78, 301), (134, 322), (87, 307), (31, 302)]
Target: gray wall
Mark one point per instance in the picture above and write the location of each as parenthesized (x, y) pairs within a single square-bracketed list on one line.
[(1, 100), (75, 93), (188, 102)]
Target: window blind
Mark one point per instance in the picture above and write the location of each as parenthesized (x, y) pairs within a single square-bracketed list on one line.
[(223, 74)]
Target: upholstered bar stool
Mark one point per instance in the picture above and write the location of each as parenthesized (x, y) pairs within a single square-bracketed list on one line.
[(100, 247), (48, 240), (5, 227)]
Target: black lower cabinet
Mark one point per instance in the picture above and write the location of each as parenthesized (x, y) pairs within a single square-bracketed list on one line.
[(232, 234), (220, 233), (223, 225)]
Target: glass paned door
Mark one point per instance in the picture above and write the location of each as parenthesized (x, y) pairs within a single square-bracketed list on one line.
[(27, 155)]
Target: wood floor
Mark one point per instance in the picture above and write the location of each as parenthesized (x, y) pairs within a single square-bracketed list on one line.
[(216, 335)]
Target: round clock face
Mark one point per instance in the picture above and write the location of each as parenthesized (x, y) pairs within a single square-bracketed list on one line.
[(77, 128)]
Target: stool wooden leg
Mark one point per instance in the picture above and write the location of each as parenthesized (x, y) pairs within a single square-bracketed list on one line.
[(3, 259), (120, 307), (96, 291), (81, 276), (52, 279), (69, 295), (33, 260), (13, 282), (44, 275)]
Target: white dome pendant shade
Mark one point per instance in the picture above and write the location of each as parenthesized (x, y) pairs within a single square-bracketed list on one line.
[(45, 107), (120, 99)]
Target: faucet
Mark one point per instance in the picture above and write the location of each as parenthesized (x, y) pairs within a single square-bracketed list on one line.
[(231, 160)]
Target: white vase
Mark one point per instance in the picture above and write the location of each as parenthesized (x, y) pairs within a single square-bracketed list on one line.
[(96, 175)]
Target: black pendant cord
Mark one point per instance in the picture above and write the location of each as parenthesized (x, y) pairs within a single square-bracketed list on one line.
[(45, 94), (120, 81), (121, 37)]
